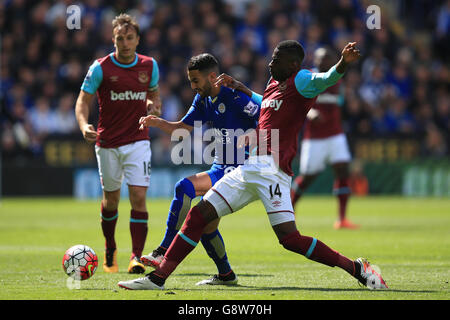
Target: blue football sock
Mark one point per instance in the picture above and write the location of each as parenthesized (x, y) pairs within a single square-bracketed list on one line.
[(215, 247), (181, 203)]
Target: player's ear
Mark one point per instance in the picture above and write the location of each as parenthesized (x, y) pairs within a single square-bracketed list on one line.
[(212, 76)]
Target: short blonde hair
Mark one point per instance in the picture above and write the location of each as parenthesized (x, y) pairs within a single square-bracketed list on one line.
[(125, 20)]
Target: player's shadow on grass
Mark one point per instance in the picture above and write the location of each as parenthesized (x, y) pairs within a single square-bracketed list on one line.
[(240, 287), (255, 288), (245, 275)]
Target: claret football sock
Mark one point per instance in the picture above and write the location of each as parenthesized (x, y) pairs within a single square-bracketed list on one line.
[(138, 230), (181, 203), (108, 223), (311, 248), (185, 241), (316, 250), (215, 248)]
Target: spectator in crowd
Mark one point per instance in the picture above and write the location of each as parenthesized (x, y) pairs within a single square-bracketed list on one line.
[(399, 87), (65, 121)]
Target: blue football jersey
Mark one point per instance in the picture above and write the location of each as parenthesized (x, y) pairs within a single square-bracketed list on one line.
[(229, 114)]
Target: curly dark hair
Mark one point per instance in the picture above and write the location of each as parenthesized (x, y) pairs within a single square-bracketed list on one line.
[(203, 62)]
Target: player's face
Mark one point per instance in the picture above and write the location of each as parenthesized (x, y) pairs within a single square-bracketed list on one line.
[(200, 82), (125, 40), (281, 66)]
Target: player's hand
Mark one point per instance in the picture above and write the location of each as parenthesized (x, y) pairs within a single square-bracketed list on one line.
[(148, 121), (227, 81), (314, 115), (89, 133), (350, 53), (230, 82)]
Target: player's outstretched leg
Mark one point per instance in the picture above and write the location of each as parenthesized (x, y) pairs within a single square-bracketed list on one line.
[(184, 242), (316, 250), (181, 203)]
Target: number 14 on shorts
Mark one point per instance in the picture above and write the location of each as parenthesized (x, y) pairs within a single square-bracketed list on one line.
[(274, 191)]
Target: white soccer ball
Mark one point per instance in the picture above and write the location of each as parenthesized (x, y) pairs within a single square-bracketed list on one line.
[(80, 262)]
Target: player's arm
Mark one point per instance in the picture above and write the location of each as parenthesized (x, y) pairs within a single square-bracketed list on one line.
[(162, 124), (187, 122), (82, 114), (91, 83), (154, 103), (310, 84), (349, 55), (230, 82)]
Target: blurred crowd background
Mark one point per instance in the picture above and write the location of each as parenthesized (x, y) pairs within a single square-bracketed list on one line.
[(398, 89)]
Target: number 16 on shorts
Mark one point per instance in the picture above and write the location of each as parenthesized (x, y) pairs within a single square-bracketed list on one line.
[(147, 166)]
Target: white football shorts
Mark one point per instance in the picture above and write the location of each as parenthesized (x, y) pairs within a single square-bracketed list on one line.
[(257, 178), (317, 153), (132, 161)]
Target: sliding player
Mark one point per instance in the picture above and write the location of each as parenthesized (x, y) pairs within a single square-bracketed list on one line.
[(267, 175)]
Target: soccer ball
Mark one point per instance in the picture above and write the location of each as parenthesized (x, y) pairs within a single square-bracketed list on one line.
[(80, 262)]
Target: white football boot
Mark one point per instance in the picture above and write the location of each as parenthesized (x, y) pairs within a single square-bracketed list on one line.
[(228, 280), (153, 259), (140, 284), (369, 276)]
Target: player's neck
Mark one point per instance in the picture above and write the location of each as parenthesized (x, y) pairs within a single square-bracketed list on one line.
[(124, 60)]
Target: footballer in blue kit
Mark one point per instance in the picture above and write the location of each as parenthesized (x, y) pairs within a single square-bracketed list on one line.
[(229, 113)]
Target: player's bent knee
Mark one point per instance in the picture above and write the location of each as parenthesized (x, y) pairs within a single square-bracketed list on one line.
[(184, 187), (179, 186), (208, 211), (212, 226), (111, 199)]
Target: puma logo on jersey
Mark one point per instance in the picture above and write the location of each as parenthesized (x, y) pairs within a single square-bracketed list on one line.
[(275, 104), (128, 95)]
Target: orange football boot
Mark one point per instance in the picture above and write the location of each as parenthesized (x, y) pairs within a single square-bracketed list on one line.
[(345, 224), (136, 266), (110, 261)]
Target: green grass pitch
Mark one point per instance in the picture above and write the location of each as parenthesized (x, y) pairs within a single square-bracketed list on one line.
[(409, 239)]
